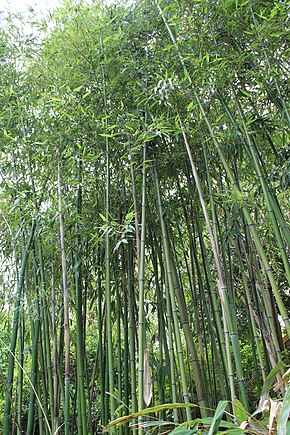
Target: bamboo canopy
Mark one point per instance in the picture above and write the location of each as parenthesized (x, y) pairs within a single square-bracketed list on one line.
[(145, 218)]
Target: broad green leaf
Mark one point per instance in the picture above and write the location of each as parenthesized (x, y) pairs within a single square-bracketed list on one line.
[(193, 425), (6, 134), (117, 410), (219, 118), (78, 88), (270, 379), (217, 417), (107, 134), (126, 418), (158, 423), (247, 94), (190, 106), (239, 412), (183, 431), (262, 16), (259, 426), (129, 216), (235, 431), (107, 39), (284, 416)]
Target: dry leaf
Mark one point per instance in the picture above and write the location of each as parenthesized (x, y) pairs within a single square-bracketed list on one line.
[(274, 412), (147, 384)]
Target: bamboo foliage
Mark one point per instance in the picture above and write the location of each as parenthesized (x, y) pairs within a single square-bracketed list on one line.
[(150, 265)]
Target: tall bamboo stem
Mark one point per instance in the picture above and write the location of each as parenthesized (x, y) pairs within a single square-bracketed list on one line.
[(65, 310)]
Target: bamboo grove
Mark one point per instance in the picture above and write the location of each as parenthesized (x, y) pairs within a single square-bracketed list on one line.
[(144, 207)]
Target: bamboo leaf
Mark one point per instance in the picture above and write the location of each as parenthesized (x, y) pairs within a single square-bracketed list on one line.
[(270, 379), (283, 423), (247, 94), (190, 106), (155, 424), (217, 417), (259, 426), (239, 412), (86, 94), (182, 431), (107, 134), (235, 431), (154, 409), (78, 88), (193, 425)]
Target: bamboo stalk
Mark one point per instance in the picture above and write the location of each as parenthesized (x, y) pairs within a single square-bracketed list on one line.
[(227, 315), (55, 352), (11, 361), (131, 331), (172, 297), (80, 345), (141, 315), (65, 310), (33, 370)]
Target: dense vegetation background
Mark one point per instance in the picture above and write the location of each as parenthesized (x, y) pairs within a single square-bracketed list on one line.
[(144, 217)]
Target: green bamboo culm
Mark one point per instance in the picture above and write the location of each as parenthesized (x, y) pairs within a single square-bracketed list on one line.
[(80, 346), (184, 318), (42, 402), (220, 358), (223, 292), (125, 321), (34, 368), (11, 360), (252, 324), (165, 347), (172, 296), (20, 373), (110, 359), (170, 337), (55, 353), (65, 309), (141, 316), (108, 293), (100, 344), (46, 330)]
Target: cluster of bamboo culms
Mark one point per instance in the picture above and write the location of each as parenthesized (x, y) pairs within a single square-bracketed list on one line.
[(144, 204)]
